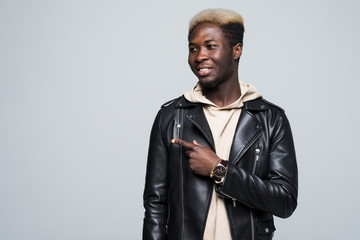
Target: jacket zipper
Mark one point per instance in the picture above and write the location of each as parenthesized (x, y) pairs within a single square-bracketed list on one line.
[(252, 225), (180, 127), (249, 145), (233, 199), (257, 156), (179, 135)]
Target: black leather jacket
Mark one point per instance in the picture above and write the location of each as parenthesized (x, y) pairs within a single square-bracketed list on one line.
[(261, 177)]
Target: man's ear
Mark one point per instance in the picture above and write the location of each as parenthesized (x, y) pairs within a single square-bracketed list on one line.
[(237, 50)]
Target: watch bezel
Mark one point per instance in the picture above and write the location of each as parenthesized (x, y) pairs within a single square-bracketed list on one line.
[(219, 172)]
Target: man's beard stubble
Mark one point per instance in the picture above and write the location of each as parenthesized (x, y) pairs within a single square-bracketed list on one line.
[(209, 85)]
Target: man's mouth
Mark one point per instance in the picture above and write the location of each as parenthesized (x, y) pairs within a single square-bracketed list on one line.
[(204, 71)]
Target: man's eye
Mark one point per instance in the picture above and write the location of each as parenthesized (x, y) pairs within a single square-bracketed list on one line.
[(192, 49), (211, 46)]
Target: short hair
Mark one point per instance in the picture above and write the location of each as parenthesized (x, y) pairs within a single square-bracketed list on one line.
[(229, 21)]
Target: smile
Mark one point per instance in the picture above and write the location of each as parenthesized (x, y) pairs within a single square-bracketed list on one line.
[(204, 71)]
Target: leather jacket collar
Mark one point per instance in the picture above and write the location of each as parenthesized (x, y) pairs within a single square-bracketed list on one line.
[(249, 127)]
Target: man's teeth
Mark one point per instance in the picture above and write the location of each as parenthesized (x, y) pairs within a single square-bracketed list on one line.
[(203, 69)]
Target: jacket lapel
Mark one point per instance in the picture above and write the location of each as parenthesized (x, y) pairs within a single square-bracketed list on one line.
[(197, 117), (247, 131)]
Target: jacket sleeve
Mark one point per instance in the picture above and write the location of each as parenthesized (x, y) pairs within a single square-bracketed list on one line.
[(277, 192), (155, 193)]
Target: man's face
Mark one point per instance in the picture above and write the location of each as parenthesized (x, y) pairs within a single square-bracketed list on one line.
[(211, 57)]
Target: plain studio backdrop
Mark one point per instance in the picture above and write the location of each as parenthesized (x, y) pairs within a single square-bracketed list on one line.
[(81, 83)]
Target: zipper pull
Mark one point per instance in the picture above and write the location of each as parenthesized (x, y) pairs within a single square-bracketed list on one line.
[(257, 154), (234, 202)]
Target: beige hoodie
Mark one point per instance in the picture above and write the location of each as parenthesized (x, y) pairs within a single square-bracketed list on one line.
[(222, 122)]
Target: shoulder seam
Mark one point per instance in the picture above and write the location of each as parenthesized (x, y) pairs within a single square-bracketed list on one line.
[(168, 103), (272, 104)]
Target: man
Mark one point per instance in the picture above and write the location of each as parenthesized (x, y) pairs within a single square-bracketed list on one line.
[(221, 159)]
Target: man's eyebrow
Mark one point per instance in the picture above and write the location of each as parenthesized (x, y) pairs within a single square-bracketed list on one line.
[(211, 40), (206, 41)]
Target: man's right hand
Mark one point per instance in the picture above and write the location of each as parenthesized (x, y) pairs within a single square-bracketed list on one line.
[(202, 159)]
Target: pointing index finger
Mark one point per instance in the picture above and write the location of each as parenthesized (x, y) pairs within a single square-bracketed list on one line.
[(182, 143)]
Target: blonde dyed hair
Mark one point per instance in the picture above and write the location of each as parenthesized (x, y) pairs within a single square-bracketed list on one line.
[(217, 16), (230, 21)]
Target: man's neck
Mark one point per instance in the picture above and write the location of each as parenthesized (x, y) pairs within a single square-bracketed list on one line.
[(224, 94)]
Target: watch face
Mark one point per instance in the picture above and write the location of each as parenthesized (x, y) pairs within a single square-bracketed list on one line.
[(219, 172)]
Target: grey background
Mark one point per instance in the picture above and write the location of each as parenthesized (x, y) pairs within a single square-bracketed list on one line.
[(81, 82)]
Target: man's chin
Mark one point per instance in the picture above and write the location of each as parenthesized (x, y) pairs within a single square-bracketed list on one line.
[(208, 84)]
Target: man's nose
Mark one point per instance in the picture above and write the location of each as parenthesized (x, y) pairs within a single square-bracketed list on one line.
[(202, 55)]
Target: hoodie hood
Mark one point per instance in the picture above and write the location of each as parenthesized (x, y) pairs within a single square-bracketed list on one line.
[(248, 92)]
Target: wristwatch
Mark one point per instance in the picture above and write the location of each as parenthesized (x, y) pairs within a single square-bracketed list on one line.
[(218, 173)]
